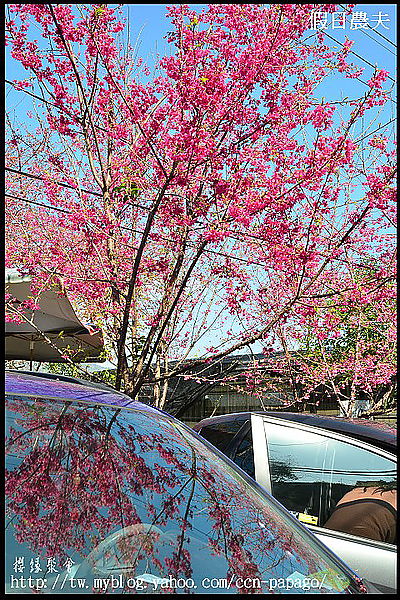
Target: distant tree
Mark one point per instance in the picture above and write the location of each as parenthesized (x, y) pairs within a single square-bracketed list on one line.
[(347, 346)]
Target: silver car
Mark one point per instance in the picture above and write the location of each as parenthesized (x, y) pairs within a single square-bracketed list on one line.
[(309, 462)]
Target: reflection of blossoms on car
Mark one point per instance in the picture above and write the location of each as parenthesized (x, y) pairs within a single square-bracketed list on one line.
[(119, 493), (57, 489)]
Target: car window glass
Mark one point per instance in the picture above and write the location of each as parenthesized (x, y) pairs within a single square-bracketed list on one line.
[(243, 455), (310, 472), (221, 434), (111, 500)]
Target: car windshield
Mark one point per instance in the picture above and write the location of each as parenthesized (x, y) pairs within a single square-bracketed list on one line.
[(107, 500)]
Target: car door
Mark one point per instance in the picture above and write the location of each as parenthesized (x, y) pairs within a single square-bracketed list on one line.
[(308, 470)]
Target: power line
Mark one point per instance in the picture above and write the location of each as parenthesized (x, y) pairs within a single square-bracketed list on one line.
[(375, 130), (131, 230), (377, 42), (372, 29), (358, 56), (56, 208), (37, 97), (66, 185), (146, 209), (382, 36)]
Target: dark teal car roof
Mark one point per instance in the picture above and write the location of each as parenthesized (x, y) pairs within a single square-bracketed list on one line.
[(377, 434)]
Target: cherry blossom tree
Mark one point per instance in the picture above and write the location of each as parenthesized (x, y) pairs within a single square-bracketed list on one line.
[(342, 347), (197, 211), (354, 357)]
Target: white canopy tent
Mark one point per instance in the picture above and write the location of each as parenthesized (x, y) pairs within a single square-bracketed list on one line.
[(55, 320)]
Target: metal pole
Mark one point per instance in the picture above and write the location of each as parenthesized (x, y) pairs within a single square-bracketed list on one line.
[(31, 346)]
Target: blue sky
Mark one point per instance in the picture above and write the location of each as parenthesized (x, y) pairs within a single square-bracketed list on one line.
[(148, 26)]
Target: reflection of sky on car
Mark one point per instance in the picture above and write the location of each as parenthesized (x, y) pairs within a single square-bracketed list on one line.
[(123, 492)]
